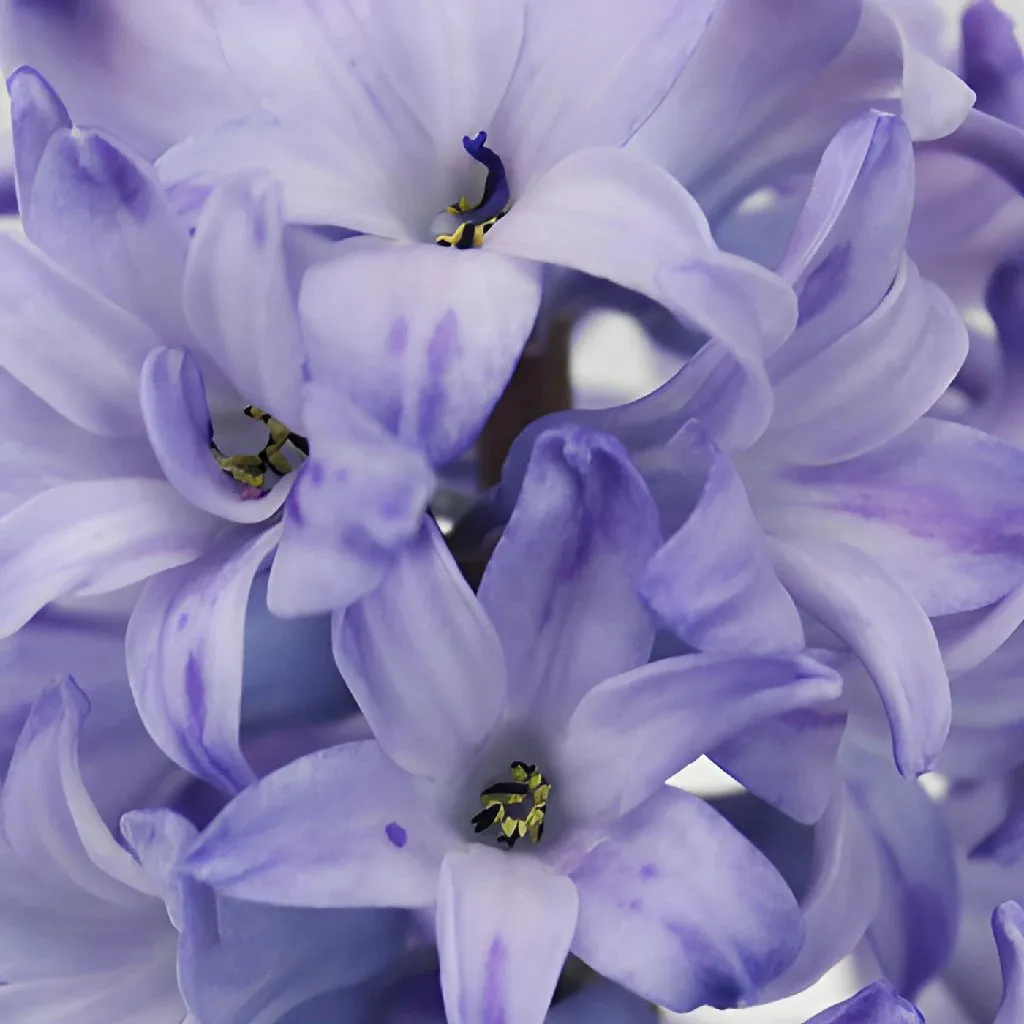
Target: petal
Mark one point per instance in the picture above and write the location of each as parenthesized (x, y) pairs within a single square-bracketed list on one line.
[(914, 930), (178, 422), (873, 613), (150, 77), (305, 836), (601, 1002), (93, 537), (331, 69), (878, 1003), (423, 338), (749, 65), (423, 662), (37, 114), (103, 216), (354, 505), (680, 908), (587, 213), (1008, 927), (42, 449), (77, 351), (562, 99), (581, 533), (74, 901), (847, 244), (659, 718), (713, 583), (788, 761), (841, 899), (249, 963), (504, 925), (238, 299), (1005, 844), (938, 507), (185, 649), (310, 169), (872, 383)]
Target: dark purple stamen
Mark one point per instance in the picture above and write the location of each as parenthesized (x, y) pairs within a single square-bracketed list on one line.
[(496, 194)]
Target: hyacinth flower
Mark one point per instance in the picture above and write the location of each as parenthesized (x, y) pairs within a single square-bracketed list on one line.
[(467, 181), (120, 335), (838, 496), (89, 931), (518, 786)]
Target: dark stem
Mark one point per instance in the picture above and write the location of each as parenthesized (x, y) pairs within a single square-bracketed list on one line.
[(539, 386)]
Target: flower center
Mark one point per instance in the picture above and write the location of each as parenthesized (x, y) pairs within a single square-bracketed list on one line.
[(252, 470), (476, 221), (517, 807)]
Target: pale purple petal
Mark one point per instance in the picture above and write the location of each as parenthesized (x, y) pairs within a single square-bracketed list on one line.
[(422, 337), (310, 169), (914, 930), (788, 761), (305, 836), (1005, 844), (878, 1003), (656, 720), (940, 508), (875, 614), (238, 299), (423, 661), (680, 908), (847, 244), (355, 503), (562, 99), (41, 449), (77, 351), (504, 925), (872, 383), (560, 587), (329, 69), (37, 114), (1008, 927), (101, 213), (150, 75), (841, 898), (74, 901), (713, 583), (249, 963), (178, 422), (586, 214), (750, 65), (185, 648), (93, 537)]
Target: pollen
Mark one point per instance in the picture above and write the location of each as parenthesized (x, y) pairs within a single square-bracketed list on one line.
[(478, 219), (517, 808), (251, 470)]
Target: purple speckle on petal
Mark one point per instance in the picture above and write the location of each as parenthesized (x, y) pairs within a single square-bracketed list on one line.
[(398, 336), (315, 471), (397, 835), (182, 621), (442, 351), (636, 905), (492, 1007), (106, 169), (293, 508), (649, 871)]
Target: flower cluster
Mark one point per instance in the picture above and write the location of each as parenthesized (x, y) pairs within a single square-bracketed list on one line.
[(348, 638)]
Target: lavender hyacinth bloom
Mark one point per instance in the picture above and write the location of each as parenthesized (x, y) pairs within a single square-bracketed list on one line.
[(870, 528), (364, 135), (85, 936), (644, 883), (119, 337)]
